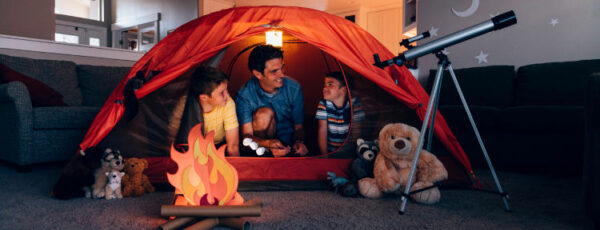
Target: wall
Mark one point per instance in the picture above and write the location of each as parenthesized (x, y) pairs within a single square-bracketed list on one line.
[(174, 13), (313, 4), (76, 8), (532, 40), (27, 18)]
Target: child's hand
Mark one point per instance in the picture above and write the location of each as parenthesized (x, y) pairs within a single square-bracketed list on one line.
[(278, 149), (300, 148)]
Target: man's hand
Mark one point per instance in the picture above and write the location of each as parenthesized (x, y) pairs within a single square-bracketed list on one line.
[(300, 148), (277, 148)]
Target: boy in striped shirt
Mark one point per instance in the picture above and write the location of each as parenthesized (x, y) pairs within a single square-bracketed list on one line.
[(210, 86), (334, 112)]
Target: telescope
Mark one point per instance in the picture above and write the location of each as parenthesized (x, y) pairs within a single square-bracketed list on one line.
[(501, 21)]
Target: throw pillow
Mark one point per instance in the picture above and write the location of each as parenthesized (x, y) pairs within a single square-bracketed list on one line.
[(40, 93)]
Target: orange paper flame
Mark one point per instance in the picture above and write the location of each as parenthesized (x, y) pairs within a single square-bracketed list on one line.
[(203, 175)]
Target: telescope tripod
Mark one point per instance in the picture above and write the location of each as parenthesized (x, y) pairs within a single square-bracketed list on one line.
[(444, 63)]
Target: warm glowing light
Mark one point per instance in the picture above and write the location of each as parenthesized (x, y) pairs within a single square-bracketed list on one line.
[(410, 33), (274, 38), (203, 175)]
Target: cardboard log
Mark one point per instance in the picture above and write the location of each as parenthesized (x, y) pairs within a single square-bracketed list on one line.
[(177, 223), (237, 223), (210, 211), (208, 223), (205, 224)]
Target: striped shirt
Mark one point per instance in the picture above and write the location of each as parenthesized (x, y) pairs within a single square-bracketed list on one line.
[(220, 119), (338, 121)]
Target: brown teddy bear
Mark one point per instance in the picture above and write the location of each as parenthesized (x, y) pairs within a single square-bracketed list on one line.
[(398, 143), (135, 183)]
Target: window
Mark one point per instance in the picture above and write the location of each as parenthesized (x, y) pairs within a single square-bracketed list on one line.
[(82, 19), (136, 33), (66, 38), (89, 9), (94, 41), (79, 33)]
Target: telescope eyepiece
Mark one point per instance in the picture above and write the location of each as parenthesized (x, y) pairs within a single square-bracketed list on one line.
[(506, 19)]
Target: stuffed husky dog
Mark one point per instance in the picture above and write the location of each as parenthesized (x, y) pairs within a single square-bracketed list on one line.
[(111, 160)]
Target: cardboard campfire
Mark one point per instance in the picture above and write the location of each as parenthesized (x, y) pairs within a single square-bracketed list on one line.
[(206, 187)]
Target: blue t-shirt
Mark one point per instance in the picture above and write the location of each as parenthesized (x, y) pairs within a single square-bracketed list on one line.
[(338, 120), (287, 103)]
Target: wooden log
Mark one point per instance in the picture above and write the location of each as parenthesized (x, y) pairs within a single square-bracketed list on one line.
[(177, 223), (238, 223), (211, 211), (205, 224)]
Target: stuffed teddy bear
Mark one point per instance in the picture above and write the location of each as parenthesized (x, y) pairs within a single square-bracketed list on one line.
[(392, 168), (113, 187), (135, 183), (111, 160)]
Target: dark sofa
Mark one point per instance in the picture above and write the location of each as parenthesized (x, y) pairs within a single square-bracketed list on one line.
[(31, 135), (591, 159), (530, 119)]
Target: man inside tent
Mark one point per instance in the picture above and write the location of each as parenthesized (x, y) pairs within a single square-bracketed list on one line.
[(270, 106)]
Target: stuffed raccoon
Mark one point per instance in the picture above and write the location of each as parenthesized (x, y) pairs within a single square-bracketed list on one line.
[(362, 166)]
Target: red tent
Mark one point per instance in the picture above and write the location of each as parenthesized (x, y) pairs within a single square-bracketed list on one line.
[(199, 40)]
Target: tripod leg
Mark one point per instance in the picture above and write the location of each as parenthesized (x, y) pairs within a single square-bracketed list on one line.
[(433, 114), (485, 154), (432, 98)]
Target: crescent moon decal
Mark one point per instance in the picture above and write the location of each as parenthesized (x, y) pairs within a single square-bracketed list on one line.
[(467, 12)]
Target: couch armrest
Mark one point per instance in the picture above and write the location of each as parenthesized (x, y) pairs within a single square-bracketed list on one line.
[(16, 120)]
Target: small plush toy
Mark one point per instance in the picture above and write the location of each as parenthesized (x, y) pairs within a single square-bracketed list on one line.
[(347, 189), (113, 187), (111, 160), (392, 168), (362, 166), (135, 183)]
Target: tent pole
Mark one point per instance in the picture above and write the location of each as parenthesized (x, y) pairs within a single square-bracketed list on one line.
[(433, 100)]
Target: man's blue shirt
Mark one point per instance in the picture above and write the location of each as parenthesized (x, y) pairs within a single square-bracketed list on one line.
[(287, 103)]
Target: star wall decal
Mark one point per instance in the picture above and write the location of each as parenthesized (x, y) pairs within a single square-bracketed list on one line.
[(553, 22), (433, 31), (481, 58)]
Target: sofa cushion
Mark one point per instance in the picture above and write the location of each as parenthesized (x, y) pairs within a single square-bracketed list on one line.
[(40, 93), (558, 83), (78, 117), (565, 119), (484, 86), (456, 117), (59, 75), (98, 82)]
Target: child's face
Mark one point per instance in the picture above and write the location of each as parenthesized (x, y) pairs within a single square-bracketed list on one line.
[(219, 95), (332, 89)]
